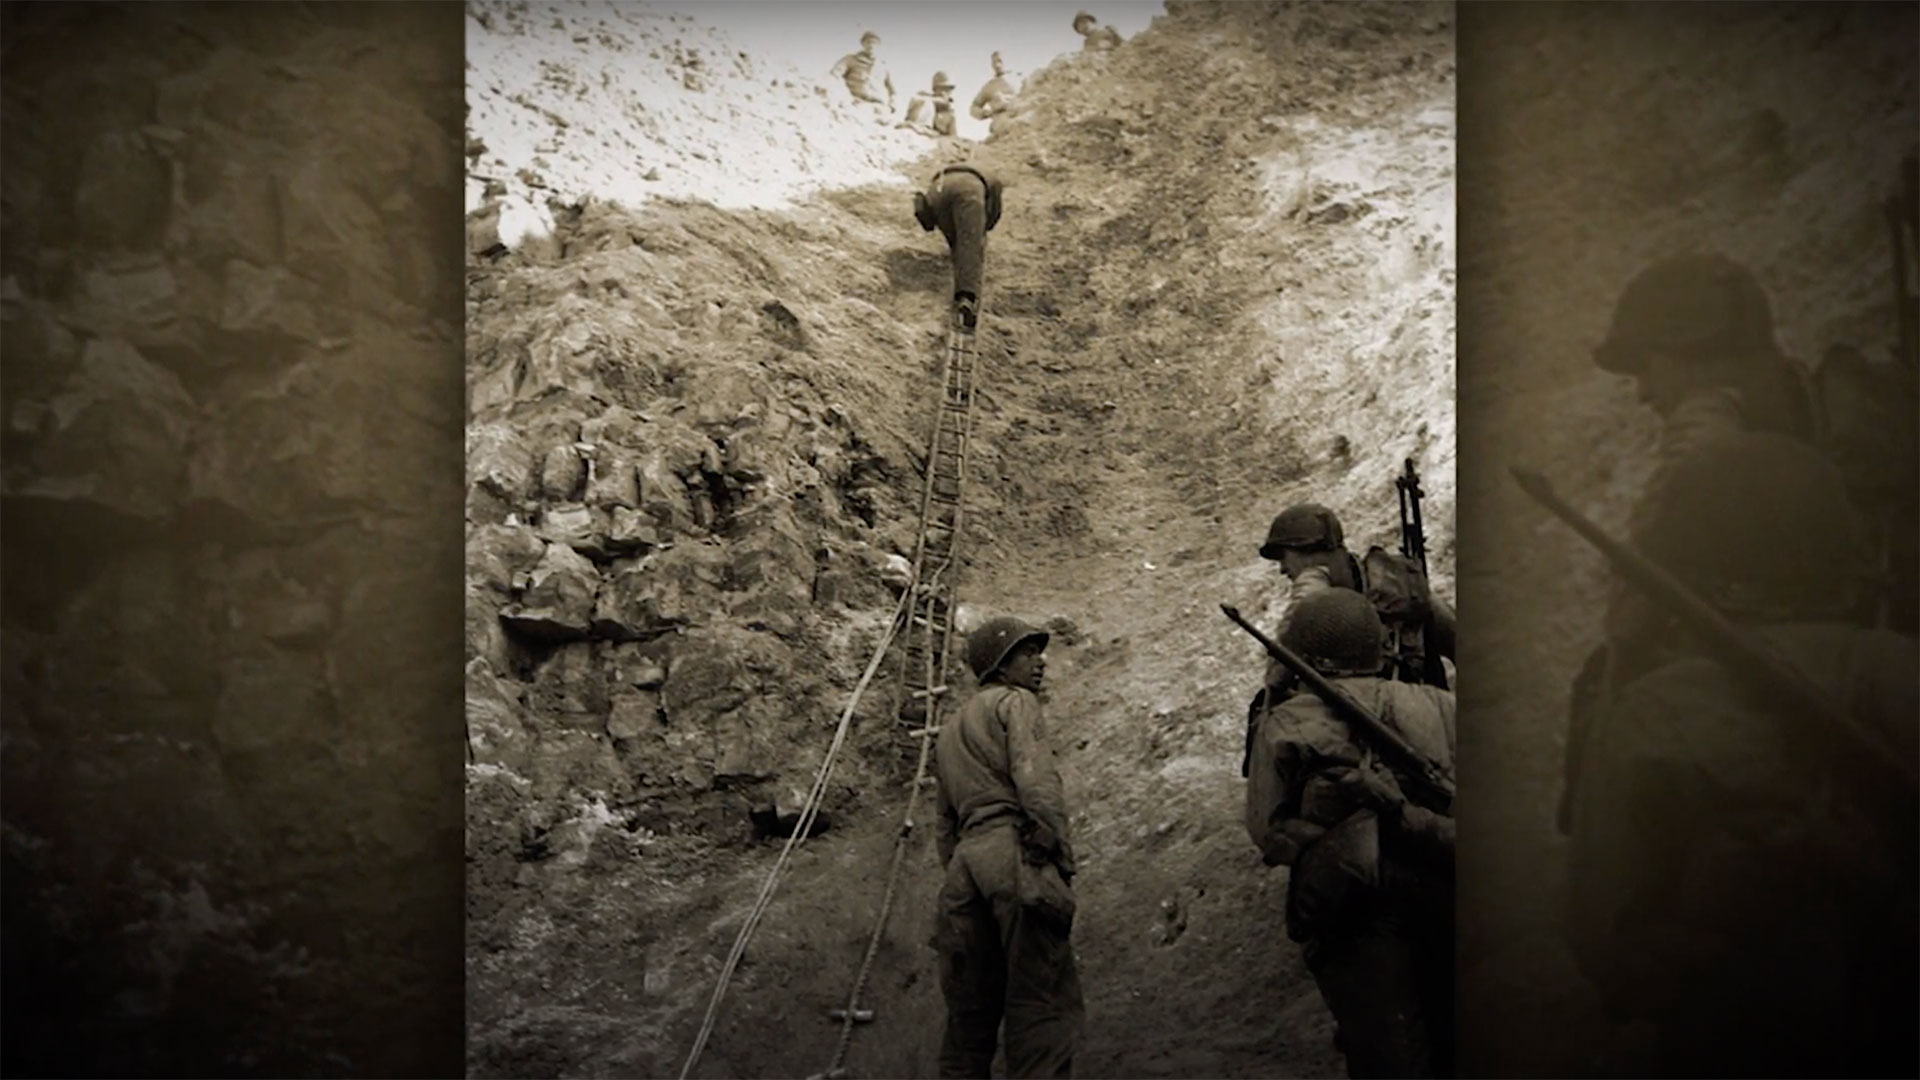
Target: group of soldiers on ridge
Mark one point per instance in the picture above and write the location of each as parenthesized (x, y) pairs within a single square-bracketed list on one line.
[(930, 111)]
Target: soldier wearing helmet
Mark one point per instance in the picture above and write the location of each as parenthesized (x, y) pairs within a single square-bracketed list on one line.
[(862, 69), (1696, 334), (1005, 919), (1370, 893), (931, 111), (997, 97), (1307, 541), (1096, 37), (1736, 882)]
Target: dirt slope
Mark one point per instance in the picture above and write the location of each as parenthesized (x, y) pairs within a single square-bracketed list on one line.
[(1223, 281)]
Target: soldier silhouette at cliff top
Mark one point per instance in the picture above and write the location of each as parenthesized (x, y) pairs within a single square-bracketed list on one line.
[(998, 95), (1096, 37), (931, 111), (862, 69)]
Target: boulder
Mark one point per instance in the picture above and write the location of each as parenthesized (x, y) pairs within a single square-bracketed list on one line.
[(632, 532), (125, 193), (497, 554), (640, 667), (500, 463), (570, 689), (612, 479), (555, 598), (231, 207), (736, 688), (562, 473), (115, 433), (497, 733), (634, 713), (569, 765), (582, 528), (267, 304), (624, 610)]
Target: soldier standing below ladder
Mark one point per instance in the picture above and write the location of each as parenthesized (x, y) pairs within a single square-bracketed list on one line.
[(1003, 930)]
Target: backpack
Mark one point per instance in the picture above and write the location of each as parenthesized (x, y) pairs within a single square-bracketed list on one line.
[(1398, 589)]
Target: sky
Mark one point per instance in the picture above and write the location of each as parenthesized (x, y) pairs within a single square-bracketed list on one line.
[(917, 39)]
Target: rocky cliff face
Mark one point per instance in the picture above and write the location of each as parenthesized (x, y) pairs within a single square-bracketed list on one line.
[(1223, 282), (229, 270)]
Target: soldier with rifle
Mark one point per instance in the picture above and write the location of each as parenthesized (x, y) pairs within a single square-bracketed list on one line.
[(1306, 539), (1350, 785), (1695, 332), (1742, 823)]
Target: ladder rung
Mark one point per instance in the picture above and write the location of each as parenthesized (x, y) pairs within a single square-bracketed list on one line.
[(935, 692), (921, 733)]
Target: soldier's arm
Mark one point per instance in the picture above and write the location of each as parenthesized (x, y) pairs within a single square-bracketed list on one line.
[(1030, 761), (1441, 629), (978, 110), (947, 834), (839, 69), (1271, 781), (1426, 830)]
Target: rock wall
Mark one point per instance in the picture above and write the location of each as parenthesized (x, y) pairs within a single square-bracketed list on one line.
[(232, 402)]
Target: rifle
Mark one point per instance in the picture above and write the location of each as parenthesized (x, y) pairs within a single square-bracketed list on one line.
[(1733, 647), (1413, 537), (1430, 788)]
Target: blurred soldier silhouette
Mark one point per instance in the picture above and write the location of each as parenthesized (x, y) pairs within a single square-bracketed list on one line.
[(1695, 332), (1742, 876), (1096, 37)]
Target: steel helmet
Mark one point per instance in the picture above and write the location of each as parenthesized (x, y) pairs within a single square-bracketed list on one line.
[(1303, 526), (1759, 525), (987, 647), (1081, 18), (1337, 632), (1688, 301), (941, 82), (869, 36)]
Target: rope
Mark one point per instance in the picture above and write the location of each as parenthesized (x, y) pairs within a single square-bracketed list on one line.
[(799, 833), (886, 909)]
